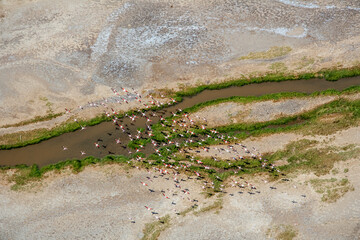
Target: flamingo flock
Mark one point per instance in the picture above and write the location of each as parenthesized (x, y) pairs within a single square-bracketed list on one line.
[(178, 131)]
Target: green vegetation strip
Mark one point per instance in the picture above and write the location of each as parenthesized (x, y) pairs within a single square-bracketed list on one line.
[(217, 205), (275, 96), (152, 230), (273, 52), (282, 232), (25, 174), (57, 131), (34, 120), (331, 189), (329, 74), (300, 155)]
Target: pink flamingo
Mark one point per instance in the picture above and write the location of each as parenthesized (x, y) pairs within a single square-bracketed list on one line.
[(148, 208)]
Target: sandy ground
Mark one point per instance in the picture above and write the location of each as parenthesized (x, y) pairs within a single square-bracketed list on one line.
[(262, 111), (249, 216), (62, 54), (97, 203), (226, 113), (275, 142), (67, 53), (101, 202)]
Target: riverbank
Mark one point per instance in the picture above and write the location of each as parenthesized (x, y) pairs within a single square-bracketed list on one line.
[(174, 120), (23, 135), (339, 112), (310, 170), (96, 200)]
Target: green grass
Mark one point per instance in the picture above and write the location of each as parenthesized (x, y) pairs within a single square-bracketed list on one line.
[(300, 155), (305, 62), (217, 205), (273, 52), (28, 174), (15, 140), (278, 67), (152, 230), (287, 233), (303, 155), (336, 74), (188, 210), (331, 189), (328, 74), (274, 96), (309, 121), (34, 120), (282, 232), (42, 135)]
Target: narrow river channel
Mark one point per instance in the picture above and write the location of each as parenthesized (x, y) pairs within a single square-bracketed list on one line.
[(51, 151)]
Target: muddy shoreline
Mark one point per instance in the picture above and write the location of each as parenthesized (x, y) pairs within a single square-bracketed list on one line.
[(50, 151)]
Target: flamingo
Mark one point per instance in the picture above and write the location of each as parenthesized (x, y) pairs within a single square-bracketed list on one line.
[(65, 148), (82, 152), (148, 208), (97, 145)]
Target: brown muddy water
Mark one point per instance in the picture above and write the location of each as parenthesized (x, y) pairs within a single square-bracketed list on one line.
[(51, 151)]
